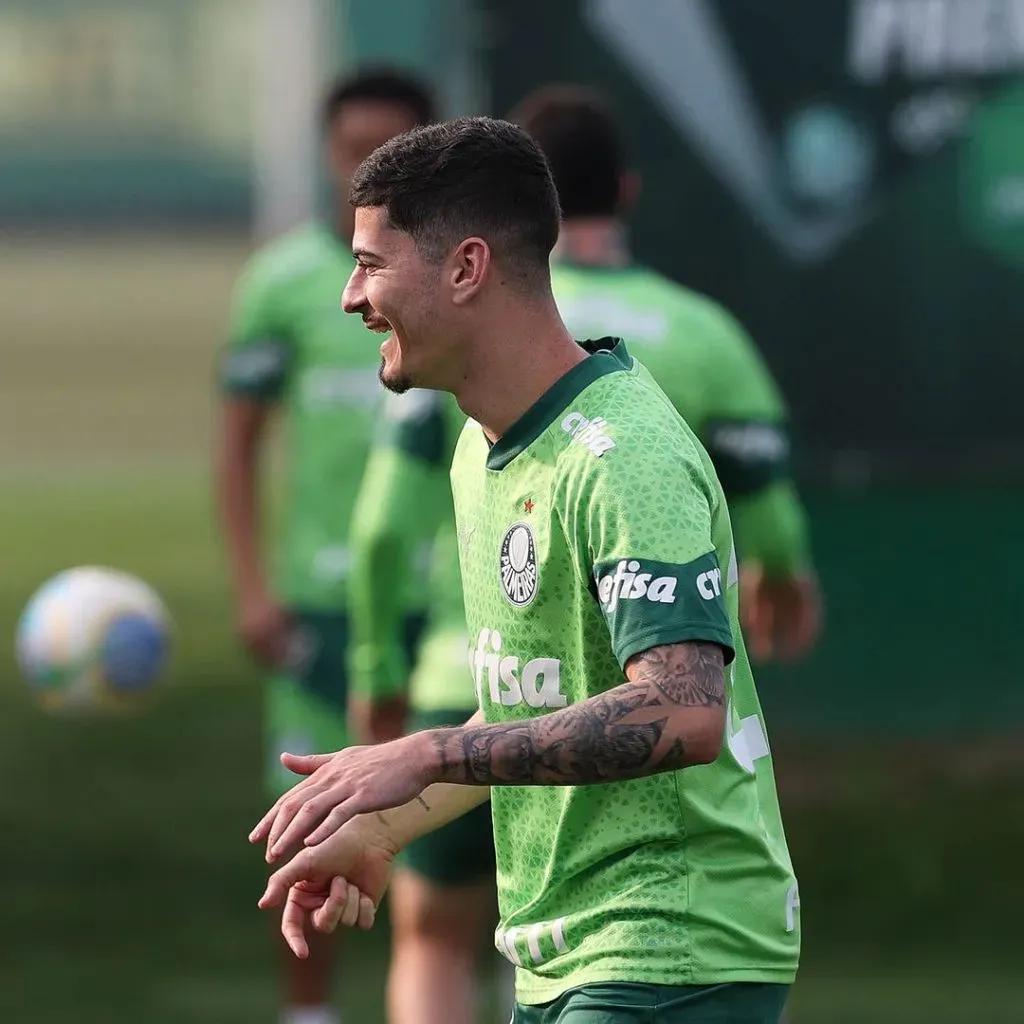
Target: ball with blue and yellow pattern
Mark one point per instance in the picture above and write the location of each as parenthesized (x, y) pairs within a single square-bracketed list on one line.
[(93, 638)]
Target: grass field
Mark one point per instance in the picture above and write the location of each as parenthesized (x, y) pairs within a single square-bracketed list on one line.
[(128, 889)]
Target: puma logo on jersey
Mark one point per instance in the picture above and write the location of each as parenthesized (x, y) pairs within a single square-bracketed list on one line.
[(630, 583), (536, 683), (589, 433), (709, 584), (543, 941)]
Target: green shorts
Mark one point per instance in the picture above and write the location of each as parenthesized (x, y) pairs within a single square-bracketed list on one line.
[(620, 1003), (462, 852), (306, 706)]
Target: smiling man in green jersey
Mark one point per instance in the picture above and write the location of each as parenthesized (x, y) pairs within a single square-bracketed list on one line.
[(642, 864), (716, 379), (291, 348)]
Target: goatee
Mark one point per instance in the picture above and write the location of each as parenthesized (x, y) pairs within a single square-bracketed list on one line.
[(397, 385)]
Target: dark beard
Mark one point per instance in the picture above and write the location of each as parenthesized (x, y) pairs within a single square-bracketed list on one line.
[(397, 385)]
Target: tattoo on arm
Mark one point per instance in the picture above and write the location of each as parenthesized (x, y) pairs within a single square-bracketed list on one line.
[(668, 715), (420, 800)]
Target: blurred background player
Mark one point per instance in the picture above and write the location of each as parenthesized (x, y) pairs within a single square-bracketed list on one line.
[(291, 348), (440, 900), (697, 352)]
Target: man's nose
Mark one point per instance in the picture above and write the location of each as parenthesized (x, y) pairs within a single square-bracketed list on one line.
[(353, 298)]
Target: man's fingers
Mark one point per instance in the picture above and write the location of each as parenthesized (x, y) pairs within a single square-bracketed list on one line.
[(345, 905), (811, 617), (305, 819), (334, 820), (350, 912), (800, 633), (760, 635), (766, 622), (367, 913), (293, 929), (267, 649), (273, 894), (287, 802), (292, 815), (304, 764), (278, 884), (326, 917), (799, 619), (262, 829)]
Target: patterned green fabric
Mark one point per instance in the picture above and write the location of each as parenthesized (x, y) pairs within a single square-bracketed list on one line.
[(593, 530)]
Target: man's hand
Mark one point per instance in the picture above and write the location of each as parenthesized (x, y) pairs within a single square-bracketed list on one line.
[(341, 881), (668, 715), (781, 616), (378, 719), (339, 786), (265, 628)]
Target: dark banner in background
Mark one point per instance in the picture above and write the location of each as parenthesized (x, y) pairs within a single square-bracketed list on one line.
[(848, 177)]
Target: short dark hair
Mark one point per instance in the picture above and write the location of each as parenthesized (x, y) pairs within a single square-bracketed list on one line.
[(578, 135), (470, 176), (382, 85)]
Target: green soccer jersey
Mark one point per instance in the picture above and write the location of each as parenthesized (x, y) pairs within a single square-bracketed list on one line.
[(711, 371), (593, 530), (404, 528), (291, 344)]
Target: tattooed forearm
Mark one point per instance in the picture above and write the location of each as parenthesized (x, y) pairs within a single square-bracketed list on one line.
[(692, 675), (668, 715)]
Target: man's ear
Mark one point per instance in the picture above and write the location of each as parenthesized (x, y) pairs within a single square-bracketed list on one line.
[(468, 268)]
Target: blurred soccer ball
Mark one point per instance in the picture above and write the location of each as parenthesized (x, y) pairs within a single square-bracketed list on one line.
[(92, 638)]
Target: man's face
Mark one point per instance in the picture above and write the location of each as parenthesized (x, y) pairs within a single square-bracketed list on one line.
[(400, 294), (358, 128)]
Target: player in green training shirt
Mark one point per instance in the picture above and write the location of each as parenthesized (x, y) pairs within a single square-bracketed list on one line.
[(641, 855), (714, 376), (291, 348), (699, 355)]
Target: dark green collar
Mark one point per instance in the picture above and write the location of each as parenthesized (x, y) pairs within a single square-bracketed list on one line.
[(607, 355)]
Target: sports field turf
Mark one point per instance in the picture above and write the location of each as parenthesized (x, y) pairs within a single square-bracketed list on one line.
[(128, 889)]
